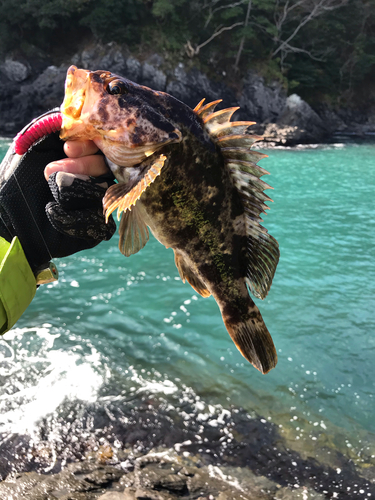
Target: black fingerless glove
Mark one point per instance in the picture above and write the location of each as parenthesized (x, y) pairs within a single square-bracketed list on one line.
[(53, 219)]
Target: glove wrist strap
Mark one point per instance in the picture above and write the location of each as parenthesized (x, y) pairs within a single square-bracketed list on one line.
[(46, 274)]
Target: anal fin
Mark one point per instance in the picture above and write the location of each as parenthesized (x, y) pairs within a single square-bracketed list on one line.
[(187, 274), (133, 232)]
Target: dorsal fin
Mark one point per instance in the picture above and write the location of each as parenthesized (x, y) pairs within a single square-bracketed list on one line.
[(219, 117), (235, 145), (207, 109), (199, 105)]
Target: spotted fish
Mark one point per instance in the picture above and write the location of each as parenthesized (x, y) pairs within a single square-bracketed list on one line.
[(191, 177)]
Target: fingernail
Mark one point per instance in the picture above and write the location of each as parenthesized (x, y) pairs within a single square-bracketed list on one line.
[(49, 169)]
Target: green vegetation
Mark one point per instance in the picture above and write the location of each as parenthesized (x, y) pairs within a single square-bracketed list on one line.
[(321, 49)]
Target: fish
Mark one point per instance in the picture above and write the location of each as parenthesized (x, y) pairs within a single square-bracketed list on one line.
[(191, 178)]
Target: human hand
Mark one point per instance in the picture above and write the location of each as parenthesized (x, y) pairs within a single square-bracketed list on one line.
[(59, 217), (81, 160)]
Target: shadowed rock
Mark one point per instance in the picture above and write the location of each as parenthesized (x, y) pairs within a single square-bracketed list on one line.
[(29, 89)]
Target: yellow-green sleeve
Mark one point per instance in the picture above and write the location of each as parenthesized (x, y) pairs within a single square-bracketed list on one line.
[(17, 283)]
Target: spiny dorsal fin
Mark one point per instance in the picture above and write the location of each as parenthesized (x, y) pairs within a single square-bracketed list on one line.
[(220, 117), (207, 109), (233, 141), (124, 195), (199, 105), (235, 145), (227, 128)]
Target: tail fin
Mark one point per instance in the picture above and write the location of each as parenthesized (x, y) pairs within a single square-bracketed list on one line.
[(253, 340)]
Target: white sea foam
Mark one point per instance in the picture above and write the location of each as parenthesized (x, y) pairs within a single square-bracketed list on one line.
[(36, 383), (299, 147), (152, 385)]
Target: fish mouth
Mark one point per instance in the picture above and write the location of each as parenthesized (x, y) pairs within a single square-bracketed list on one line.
[(71, 108)]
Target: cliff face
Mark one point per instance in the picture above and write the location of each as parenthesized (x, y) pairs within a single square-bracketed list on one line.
[(28, 89)]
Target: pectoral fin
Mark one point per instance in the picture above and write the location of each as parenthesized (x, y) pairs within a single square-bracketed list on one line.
[(187, 274), (124, 195), (133, 232)]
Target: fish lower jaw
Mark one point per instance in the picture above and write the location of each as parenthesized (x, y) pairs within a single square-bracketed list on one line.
[(76, 130)]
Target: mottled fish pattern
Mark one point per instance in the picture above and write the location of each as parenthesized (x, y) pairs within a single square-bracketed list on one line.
[(191, 177)]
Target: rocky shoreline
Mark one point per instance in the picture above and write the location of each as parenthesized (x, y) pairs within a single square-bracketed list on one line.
[(165, 474), (143, 449), (159, 475), (156, 476), (28, 88)]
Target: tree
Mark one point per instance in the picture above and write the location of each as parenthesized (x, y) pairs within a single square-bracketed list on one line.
[(209, 10), (290, 16), (240, 48)]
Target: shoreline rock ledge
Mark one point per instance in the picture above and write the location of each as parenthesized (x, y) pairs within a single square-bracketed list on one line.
[(30, 87), (162, 475)]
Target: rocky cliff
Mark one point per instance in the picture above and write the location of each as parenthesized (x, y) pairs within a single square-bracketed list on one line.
[(27, 89)]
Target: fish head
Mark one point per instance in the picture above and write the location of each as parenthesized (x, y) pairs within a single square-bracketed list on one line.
[(120, 116)]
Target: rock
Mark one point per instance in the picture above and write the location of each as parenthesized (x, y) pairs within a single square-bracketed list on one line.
[(331, 119), (307, 125), (32, 99), (19, 485), (27, 90), (298, 123), (103, 476), (142, 494), (275, 134), (133, 69), (260, 102), (37, 486), (16, 71), (298, 494), (153, 77), (79, 481), (192, 86), (348, 122), (115, 495), (129, 494)]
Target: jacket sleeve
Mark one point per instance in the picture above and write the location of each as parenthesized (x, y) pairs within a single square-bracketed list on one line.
[(17, 283)]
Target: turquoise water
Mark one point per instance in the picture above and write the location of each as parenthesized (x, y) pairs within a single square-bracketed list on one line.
[(120, 326)]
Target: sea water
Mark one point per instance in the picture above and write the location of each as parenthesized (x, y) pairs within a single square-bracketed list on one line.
[(125, 330)]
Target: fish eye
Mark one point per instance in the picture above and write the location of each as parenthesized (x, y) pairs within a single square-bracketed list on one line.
[(117, 87)]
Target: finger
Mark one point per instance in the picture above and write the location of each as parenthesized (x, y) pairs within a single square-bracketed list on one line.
[(93, 165), (76, 149)]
